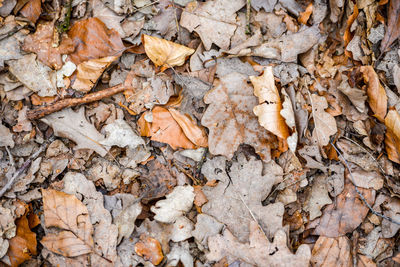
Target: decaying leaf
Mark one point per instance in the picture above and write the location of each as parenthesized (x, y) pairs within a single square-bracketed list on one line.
[(6, 136), (119, 133), (32, 10), (230, 118), (330, 251), (68, 213), (325, 124), (238, 197), (150, 249), (88, 72), (270, 105), (23, 245), (214, 21), (392, 136), (73, 125), (259, 251), (345, 214), (41, 43), (377, 98), (318, 197), (34, 75), (393, 25), (10, 48), (165, 53)]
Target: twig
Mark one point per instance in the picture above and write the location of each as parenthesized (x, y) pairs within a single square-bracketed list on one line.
[(71, 102), (358, 191), (248, 10), (23, 168)]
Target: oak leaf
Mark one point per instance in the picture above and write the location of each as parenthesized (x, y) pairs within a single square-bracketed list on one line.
[(66, 212), (325, 124), (41, 43), (270, 105), (392, 136), (165, 53), (88, 72), (230, 118), (393, 26), (377, 98)]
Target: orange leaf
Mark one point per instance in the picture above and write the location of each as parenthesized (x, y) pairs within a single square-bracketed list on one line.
[(375, 91), (192, 131), (164, 129), (347, 36), (150, 249), (32, 10), (305, 16), (392, 137), (268, 112), (23, 245), (165, 53)]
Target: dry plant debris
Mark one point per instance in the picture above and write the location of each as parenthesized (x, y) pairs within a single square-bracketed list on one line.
[(199, 133)]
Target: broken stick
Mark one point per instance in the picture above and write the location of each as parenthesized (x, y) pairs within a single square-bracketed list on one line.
[(71, 102)]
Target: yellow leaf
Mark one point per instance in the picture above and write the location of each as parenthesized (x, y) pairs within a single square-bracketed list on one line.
[(392, 137), (165, 53), (89, 71), (268, 112)]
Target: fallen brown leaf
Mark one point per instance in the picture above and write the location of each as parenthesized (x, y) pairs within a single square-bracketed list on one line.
[(393, 25), (88, 72), (330, 251), (41, 43), (92, 39), (68, 213), (270, 105), (150, 249), (23, 245), (164, 129), (392, 136), (165, 53), (377, 98), (305, 16), (32, 10)]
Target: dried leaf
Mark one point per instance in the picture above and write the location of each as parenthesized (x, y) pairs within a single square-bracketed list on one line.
[(93, 40), (165, 53), (194, 133), (259, 251), (392, 136), (88, 72), (150, 249), (10, 47), (230, 118), (34, 75), (6, 136), (330, 251), (106, 15), (214, 21), (270, 105), (317, 197), (376, 93), (68, 213), (23, 245), (242, 192), (305, 16), (345, 214), (119, 133), (41, 43), (165, 129), (74, 126), (32, 10), (325, 124), (393, 25)]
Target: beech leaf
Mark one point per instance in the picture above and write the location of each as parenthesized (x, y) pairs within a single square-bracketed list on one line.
[(165, 53), (393, 25), (392, 137)]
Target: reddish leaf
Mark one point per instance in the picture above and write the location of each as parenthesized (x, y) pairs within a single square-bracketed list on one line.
[(32, 10)]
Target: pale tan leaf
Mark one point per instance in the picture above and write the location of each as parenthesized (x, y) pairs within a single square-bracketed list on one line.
[(377, 98), (325, 124), (66, 244), (392, 137), (89, 72), (165, 53), (268, 112)]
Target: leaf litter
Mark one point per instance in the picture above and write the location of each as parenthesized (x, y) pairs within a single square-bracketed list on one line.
[(199, 133)]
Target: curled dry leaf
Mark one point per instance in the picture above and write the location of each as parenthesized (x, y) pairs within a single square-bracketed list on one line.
[(93, 40), (41, 43), (164, 128), (165, 53), (270, 105), (259, 251), (377, 98), (68, 213), (330, 251), (88, 72), (325, 124), (392, 136), (345, 214), (393, 26), (150, 249), (23, 245)]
